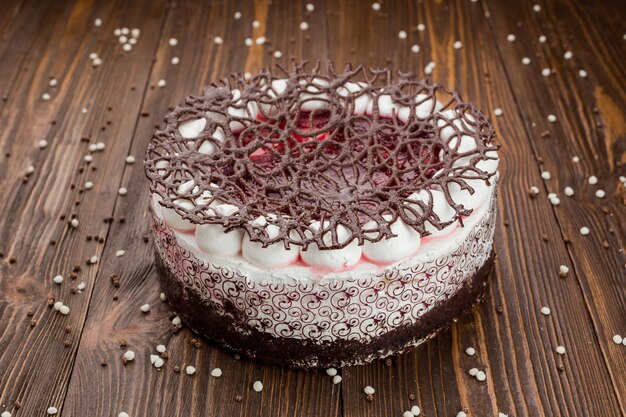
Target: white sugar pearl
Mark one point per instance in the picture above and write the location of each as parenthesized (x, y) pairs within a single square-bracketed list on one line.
[(617, 339), (88, 158), (560, 350), (42, 144), (278, 54), (304, 26), (161, 348), (159, 363), (162, 297), (97, 22), (5, 414), (256, 24), (415, 49), (53, 82), (545, 311), (310, 7), (575, 159), (336, 379), (497, 111), (402, 34), (421, 27), (129, 355), (145, 308), (510, 37), (593, 180), (237, 15), (173, 41), (407, 414), (248, 42), (600, 193), (470, 351), (415, 410), (123, 414), (74, 223), (542, 39), (569, 191), (331, 372), (57, 306), (534, 190), (97, 62), (216, 373), (161, 83), (536, 8), (546, 175), (117, 32), (568, 55), (81, 286), (176, 321), (260, 40), (622, 179), (175, 60), (120, 253), (582, 73), (563, 269), (461, 414), (551, 118), (130, 159), (555, 201), (122, 39), (135, 33), (473, 371), (369, 390), (190, 370), (526, 60), (122, 191), (257, 386), (376, 6), (218, 40), (457, 45), (481, 376), (546, 72), (52, 411), (65, 310), (88, 185), (93, 147), (125, 31), (58, 279), (127, 47), (584, 230)]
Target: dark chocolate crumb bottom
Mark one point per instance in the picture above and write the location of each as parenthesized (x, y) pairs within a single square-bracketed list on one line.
[(304, 354)]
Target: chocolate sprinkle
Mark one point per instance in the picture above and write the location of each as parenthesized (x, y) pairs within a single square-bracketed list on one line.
[(295, 167)]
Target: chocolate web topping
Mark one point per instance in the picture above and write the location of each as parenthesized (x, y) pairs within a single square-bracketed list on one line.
[(289, 150)]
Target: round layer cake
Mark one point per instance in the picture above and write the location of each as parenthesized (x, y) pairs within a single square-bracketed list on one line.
[(316, 218)]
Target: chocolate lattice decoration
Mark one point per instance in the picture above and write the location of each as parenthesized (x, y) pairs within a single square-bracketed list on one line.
[(295, 152)]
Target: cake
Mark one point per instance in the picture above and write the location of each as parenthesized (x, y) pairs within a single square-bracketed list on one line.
[(321, 218)]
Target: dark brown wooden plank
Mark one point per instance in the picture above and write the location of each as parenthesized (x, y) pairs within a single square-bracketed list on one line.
[(138, 388), (36, 362), (591, 125), (527, 276)]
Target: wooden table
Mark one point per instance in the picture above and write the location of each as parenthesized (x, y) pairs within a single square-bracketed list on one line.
[(74, 362)]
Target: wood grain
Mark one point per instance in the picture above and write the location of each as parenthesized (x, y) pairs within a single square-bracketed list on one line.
[(515, 343)]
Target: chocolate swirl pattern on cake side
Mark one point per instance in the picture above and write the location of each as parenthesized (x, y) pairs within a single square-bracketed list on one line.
[(302, 149)]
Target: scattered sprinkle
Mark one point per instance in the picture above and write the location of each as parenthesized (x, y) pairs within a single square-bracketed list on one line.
[(5, 414), (617, 339), (546, 72), (593, 180), (88, 158), (575, 159), (176, 321), (310, 7), (331, 372), (93, 259), (52, 410), (45, 96), (473, 371), (260, 40), (249, 42), (510, 37), (278, 54), (481, 376), (127, 47), (546, 175), (560, 350), (145, 308), (470, 351), (122, 191), (563, 271), (161, 83), (257, 386), (123, 414), (551, 118), (42, 144), (57, 306), (526, 60), (190, 370), (582, 73), (542, 39), (237, 15), (376, 6), (173, 41), (218, 40), (568, 55), (74, 223), (461, 414), (120, 252), (30, 170), (216, 373), (130, 159), (88, 185), (369, 390), (402, 34), (161, 348), (53, 82), (569, 191), (407, 414), (256, 24), (96, 62), (421, 27), (536, 8), (584, 230), (429, 68), (65, 310), (336, 379), (600, 193), (129, 355), (135, 32), (175, 60), (497, 111), (415, 49), (158, 363), (162, 296), (304, 26), (457, 45), (545, 311), (58, 279), (97, 22), (622, 179), (533, 190), (415, 410), (81, 286)]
